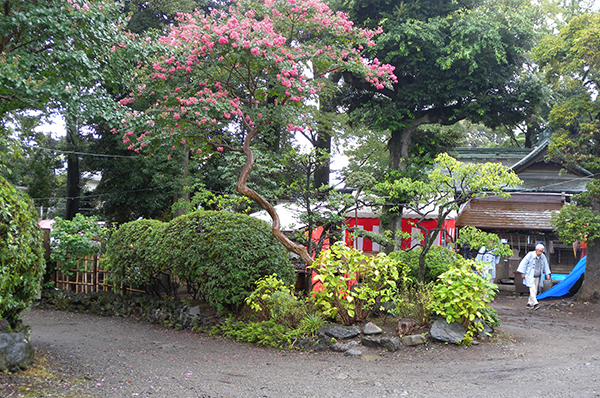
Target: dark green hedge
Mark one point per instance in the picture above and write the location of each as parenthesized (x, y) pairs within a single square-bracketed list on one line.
[(21, 253), (218, 254)]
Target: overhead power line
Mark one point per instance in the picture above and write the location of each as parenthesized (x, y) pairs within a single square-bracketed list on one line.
[(85, 153)]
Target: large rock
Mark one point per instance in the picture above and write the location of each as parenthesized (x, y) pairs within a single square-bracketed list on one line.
[(414, 339), (15, 352), (338, 331), (391, 344), (371, 328), (369, 341), (343, 347), (450, 332)]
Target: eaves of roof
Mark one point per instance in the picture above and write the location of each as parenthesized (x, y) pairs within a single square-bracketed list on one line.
[(519, 212)]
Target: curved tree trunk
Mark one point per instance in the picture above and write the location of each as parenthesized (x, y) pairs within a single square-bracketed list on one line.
[(262, 202)]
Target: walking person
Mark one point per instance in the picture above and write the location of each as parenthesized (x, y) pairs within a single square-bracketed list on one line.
[(532, 268)]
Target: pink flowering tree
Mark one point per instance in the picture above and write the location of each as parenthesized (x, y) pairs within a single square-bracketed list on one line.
[(240, 71)]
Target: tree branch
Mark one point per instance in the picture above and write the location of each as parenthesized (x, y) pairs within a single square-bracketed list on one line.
[(262, 202)]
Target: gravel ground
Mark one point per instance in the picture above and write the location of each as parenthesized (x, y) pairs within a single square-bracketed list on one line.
[(553, 352)]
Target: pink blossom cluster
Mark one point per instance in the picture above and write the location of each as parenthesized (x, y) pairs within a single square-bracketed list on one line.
[(222, 68)]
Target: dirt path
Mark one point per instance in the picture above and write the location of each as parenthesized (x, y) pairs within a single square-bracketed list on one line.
[(553, 352)]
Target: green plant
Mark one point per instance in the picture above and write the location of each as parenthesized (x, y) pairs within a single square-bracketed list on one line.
[(461, 295), (310, 324), (351, 284), (21, 253), (437, 261), (130, 251), (265, 333), (274, 300), (414, 303), (489, 315), (73, 240), (222, 255)]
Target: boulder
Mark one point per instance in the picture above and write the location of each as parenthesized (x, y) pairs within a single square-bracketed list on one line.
[(414, 339), (339, 331), (369, 341), (371, 328), (15, 352), (343, 347), (449, 332), (391, 344)]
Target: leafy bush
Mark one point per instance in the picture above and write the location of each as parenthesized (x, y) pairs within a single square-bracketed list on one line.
[(217, 254), (266, 333), (414, 303), (273, 300), (223, 254), (73, 240), (130, 250), (437, 261), (353, 284), (21, 252), (463, 296)]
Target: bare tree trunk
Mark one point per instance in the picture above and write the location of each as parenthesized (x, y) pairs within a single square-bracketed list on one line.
[(590, 289), (262, 202), (73, 173), (73, 189)]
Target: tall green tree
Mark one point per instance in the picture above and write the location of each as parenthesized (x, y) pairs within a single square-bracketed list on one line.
[(571, 61), (65, 57), (245, 70), (454, 60), (38, 166)]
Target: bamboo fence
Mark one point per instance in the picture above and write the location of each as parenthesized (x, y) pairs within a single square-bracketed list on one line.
[(89, 278)]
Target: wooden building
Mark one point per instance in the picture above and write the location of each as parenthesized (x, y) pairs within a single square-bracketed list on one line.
[(524, 218)]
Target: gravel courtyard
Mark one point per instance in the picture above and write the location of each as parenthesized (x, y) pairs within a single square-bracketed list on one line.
[(553, 352)]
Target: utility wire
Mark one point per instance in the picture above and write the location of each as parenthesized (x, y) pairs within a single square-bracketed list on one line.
[(85, 153)]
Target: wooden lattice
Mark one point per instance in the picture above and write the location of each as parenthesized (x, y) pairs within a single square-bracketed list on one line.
[(88, 278)]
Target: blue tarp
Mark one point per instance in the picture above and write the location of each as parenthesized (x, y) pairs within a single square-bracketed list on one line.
[(563, 287)]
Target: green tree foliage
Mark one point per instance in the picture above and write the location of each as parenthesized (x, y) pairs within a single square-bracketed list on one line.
[(21, 253), (571, 61), (67, 58), (454, 60), (252, 69), (218, 254), (72, 241), (450, 185), (476, 238), (36, 168)]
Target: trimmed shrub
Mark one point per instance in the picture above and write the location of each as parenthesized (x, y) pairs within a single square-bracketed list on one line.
[(223, 254), (132, 253), (437, 261), (21, 253), (217, 254)]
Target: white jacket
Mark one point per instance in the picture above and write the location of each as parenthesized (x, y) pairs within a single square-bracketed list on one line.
[(527, 267)]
